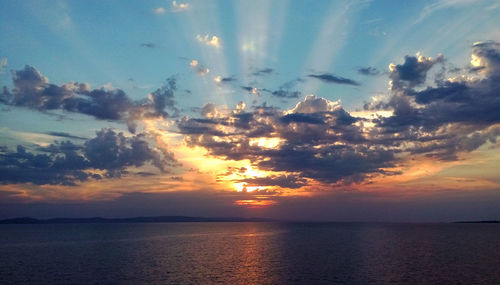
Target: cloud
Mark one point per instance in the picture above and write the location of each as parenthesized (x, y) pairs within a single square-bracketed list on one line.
[(148, 45), (251, 90), (330, 78), (283, 181), (220, 79), (412, 72), (210, 41), (320, 141), (176, 8), (262, 72), (179, 7), (369, 71), (65, 135), (313, 104), (109, 154), (317, 140), (159, 11), (198, 68), (33, 90), (286, 93), (456, 115)]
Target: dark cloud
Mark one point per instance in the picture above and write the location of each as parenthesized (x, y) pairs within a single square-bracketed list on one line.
[(330, 78), (286, 93), (252, 90), (227, 79), (33, 90), (65, 135), (285, 90), (109, 154), (412, 72), (319, 141), (283, 181), (262, 72), (371, 71), (302, 118), (456, 115), (149, 45)]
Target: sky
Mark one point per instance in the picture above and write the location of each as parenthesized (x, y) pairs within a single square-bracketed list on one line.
[(292, 110)]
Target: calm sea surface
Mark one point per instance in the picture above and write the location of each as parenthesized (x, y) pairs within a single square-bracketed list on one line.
[(250, 253)]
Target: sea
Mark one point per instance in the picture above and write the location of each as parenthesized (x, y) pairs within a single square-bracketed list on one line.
[(250, 253)]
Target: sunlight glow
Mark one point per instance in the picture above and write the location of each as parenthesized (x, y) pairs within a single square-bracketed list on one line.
[(255, 203), (266, 142)]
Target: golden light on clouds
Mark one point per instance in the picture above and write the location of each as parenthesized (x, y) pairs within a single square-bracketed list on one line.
[(266, 142)]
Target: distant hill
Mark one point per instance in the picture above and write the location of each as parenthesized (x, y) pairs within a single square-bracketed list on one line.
[(99, 220), (478, 222)]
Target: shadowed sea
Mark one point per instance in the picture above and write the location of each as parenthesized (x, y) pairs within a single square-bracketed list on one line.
[(250, 253)]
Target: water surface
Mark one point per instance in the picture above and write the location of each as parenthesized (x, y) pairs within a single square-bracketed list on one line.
[(250, 253)]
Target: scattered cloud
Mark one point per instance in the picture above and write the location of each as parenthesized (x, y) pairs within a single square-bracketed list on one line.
[(107, 155), (264, 71), (433, 115), (251, 90), (220, 79), (283, 93), (319, 141), (179, 7), (330, 78), (149, 45), (210, 41), (457, 115), (33, 90), (198, 68), (65, 135), (372, 71)]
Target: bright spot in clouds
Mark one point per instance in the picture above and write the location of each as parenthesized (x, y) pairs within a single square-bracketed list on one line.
[(210, 41)]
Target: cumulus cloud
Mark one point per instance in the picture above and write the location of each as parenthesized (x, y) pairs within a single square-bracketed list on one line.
[(439, 117), (456, 115), (330, 78), (109, 154), (209, 40), (317, 140), (179, 7), (412, 72), (313, 104), (33, 90)]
